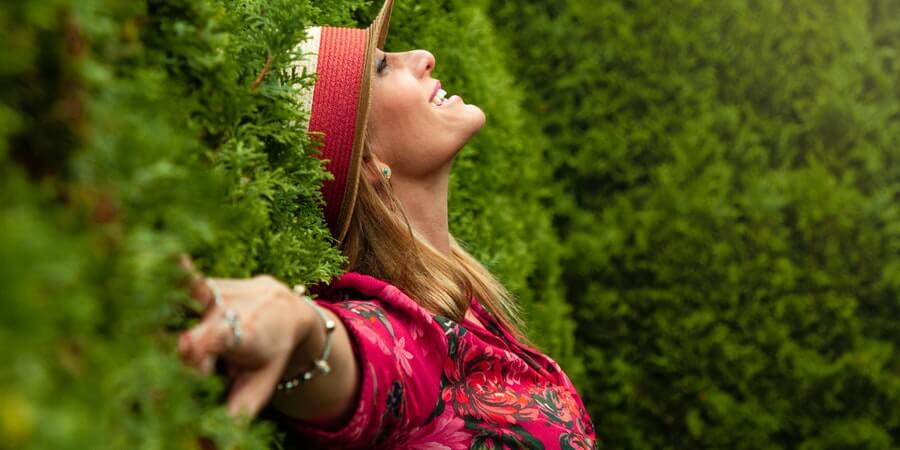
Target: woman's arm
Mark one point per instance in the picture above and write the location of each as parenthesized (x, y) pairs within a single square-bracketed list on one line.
[(325, 398), (273, 334)]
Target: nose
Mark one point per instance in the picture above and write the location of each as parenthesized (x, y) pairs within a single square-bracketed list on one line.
[(422, 62)]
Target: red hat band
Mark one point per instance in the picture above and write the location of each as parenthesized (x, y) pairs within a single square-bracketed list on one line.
[(339, 65), (338, 106)]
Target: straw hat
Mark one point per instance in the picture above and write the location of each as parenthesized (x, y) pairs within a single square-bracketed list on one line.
[(343, 61)]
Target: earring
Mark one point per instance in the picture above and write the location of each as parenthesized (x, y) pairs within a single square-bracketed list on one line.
[(386, 172)]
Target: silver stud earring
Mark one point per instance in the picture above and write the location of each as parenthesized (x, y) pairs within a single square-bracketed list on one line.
[(386, 172)]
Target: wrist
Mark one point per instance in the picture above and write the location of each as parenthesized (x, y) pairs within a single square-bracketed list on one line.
[(311, 355), (308, 329)]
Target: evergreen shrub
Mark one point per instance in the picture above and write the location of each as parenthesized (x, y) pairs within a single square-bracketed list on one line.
[(132, 132), (733, 228)]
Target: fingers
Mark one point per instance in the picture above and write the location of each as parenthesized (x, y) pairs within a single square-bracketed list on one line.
[(255, 370), (207, 290), (251, 389), (187, 264), (199, 289), (199, 346), (203, 289)]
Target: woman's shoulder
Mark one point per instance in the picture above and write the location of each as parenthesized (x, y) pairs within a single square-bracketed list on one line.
[(361, 288), (368, 304)]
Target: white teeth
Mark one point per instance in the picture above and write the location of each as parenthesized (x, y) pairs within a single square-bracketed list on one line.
[(439, 97)]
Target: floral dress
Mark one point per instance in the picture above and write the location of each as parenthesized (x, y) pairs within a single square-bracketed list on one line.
[(430, 383)]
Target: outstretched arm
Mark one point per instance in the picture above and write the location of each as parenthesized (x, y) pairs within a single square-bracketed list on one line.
[(324, 398), (280, 335)]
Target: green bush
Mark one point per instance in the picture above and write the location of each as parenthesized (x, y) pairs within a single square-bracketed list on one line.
[(733, 229), (131, 132)]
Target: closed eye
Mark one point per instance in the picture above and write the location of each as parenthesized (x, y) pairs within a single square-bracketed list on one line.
[(381, 64)]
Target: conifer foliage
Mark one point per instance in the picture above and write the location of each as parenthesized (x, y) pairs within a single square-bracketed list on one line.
[(732, 231), (132, 132)]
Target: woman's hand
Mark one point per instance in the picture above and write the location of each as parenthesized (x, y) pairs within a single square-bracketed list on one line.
[(270, 322)]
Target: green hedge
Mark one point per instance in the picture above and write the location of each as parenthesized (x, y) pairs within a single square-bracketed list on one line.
[(733, 229), (133, 131)]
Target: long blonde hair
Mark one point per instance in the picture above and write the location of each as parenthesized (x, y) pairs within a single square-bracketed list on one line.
[(381, 242)]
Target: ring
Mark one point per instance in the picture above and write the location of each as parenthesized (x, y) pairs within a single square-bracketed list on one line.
[(217, 294), (232, 319)]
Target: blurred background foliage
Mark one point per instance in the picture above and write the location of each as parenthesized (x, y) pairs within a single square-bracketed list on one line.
[(696, 203), (730, 224)]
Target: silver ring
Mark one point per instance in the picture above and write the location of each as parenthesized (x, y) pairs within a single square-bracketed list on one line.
[(217, 293), (231, 319)]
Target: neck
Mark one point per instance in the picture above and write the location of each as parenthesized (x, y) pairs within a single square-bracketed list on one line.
[(425, 204)]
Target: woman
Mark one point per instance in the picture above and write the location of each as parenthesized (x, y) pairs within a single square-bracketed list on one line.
[(417, 346)]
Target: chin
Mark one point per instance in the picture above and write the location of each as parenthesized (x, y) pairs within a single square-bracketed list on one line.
[(477, 118), (466, 126)]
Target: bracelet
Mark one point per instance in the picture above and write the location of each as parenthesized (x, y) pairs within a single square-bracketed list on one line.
[(319, 365)]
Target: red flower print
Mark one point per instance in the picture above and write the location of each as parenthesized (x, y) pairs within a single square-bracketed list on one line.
[(403, 356), (446, 432), (372, 336), (482, 392)]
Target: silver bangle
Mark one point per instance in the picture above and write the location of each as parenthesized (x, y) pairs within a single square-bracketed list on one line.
[(319, 365)]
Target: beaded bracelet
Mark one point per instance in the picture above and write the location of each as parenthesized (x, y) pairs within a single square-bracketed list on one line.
[(321, 364)]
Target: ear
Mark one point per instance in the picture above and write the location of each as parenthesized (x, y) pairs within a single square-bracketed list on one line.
[(376, 170)]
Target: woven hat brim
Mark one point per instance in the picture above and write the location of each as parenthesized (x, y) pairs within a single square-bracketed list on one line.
[(376, 35)]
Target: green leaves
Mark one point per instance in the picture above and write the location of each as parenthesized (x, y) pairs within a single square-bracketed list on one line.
[(132, 132), (134, 136), (729, 240)]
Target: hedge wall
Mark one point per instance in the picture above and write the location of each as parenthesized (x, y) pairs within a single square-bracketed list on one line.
[(733, 230), (133, 131), (712, 186)]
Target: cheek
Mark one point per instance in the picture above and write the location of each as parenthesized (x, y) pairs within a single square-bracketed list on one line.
[(396, 95), (401, 109), (397, 116)]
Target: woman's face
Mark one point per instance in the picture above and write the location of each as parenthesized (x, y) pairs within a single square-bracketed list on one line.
[(406, 129)]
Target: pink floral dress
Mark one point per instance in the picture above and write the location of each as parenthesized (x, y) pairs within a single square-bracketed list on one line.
[(429, 383)]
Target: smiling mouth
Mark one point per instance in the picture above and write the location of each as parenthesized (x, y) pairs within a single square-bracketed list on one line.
[(439, 98), (437, 87)]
